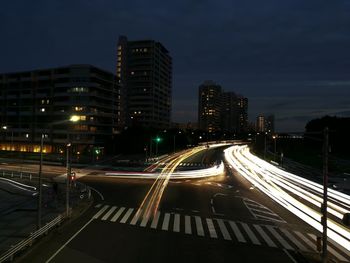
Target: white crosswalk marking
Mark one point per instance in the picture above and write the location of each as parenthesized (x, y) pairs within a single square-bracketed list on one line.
[(102, 210), (199, 226), (306, 240), (251, 235), (117, 215), (279, 237), (166, 220), (330, 250), (144, 221), (136, 217), (267, 239), (176, 227), (211, 228), (155, 220), (188, 229), (110, 211), (293, 239), (98, 205), (126, 216), (223, 229), (237, 232)]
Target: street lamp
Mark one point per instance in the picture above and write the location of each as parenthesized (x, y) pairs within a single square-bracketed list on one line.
[(6, 128), (274, 137), (175, 139), (73, 118)]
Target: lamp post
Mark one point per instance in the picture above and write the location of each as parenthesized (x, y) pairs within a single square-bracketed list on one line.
[(6, 128), (175, 140), (40, 182), (73, 118), (274, 137)]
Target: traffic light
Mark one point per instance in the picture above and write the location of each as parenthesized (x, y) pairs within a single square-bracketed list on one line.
[(158, 139), (72, 176), (97, 151)]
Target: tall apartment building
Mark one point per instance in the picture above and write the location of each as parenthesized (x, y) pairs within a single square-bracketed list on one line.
[(265, 124), (221, 111), (144, 69), (234, 113), (260, 123), (242, 114), (209, 107), (40, 103)]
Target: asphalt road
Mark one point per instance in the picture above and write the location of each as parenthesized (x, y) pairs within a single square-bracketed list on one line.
[(221, 219)]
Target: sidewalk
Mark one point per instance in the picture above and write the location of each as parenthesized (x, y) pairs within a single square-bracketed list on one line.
[(18, 209)]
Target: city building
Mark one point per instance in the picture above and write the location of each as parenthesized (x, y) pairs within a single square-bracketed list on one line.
[(260, 123), (242, 114), (221, 111), (209, 107), (270, 124), (40, 103), (144, 69)]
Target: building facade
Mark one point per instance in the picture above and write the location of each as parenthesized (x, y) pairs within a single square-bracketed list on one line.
[(260, 123), (221, 111), (209, 107), (41, 102), (144, 69)]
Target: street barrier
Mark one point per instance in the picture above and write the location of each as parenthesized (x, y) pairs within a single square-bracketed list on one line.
[(9, 255)]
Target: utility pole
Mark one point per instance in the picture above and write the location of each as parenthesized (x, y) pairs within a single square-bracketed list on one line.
[(325, 194), (67, 180), (40, 182)]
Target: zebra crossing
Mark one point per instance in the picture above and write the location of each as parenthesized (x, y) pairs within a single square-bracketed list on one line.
[(217, 228)]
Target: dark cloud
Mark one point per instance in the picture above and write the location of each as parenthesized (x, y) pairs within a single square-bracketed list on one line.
[(277, 53)]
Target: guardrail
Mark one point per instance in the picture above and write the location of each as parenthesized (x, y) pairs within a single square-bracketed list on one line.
[(9, 255)]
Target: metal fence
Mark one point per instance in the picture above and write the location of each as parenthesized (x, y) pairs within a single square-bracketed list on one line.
[(9, 255)]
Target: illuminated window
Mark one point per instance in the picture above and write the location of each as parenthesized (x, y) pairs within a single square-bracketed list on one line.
[(119, 47), (79, 89), (78, 108)]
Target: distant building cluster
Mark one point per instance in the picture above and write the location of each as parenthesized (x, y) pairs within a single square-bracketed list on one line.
[(265, 124), (221, 111)]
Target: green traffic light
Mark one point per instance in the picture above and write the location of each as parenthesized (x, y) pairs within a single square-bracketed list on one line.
[(158, 139)]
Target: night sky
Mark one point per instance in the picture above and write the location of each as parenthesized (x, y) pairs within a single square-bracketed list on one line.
[(290, 57)]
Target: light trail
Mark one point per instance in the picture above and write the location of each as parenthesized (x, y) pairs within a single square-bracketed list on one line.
[(300, 196), (151, 202)]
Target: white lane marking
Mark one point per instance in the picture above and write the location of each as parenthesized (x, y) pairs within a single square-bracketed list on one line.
[(98, 205), (268, 218), (223, 229), (136, 217), (117, 215), (110, 211), (341, 248), (237, 232), (102, 210), (155, 220), (267, 239), (305, 239), (279, 238), (69, 240), (331, 250), (102, 198), (188, 229), (126, 216), (290, 256), (166, 220), (264, 212), (176, 227), (211, 228), (199, 226), (251, 235), (293, 239)]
